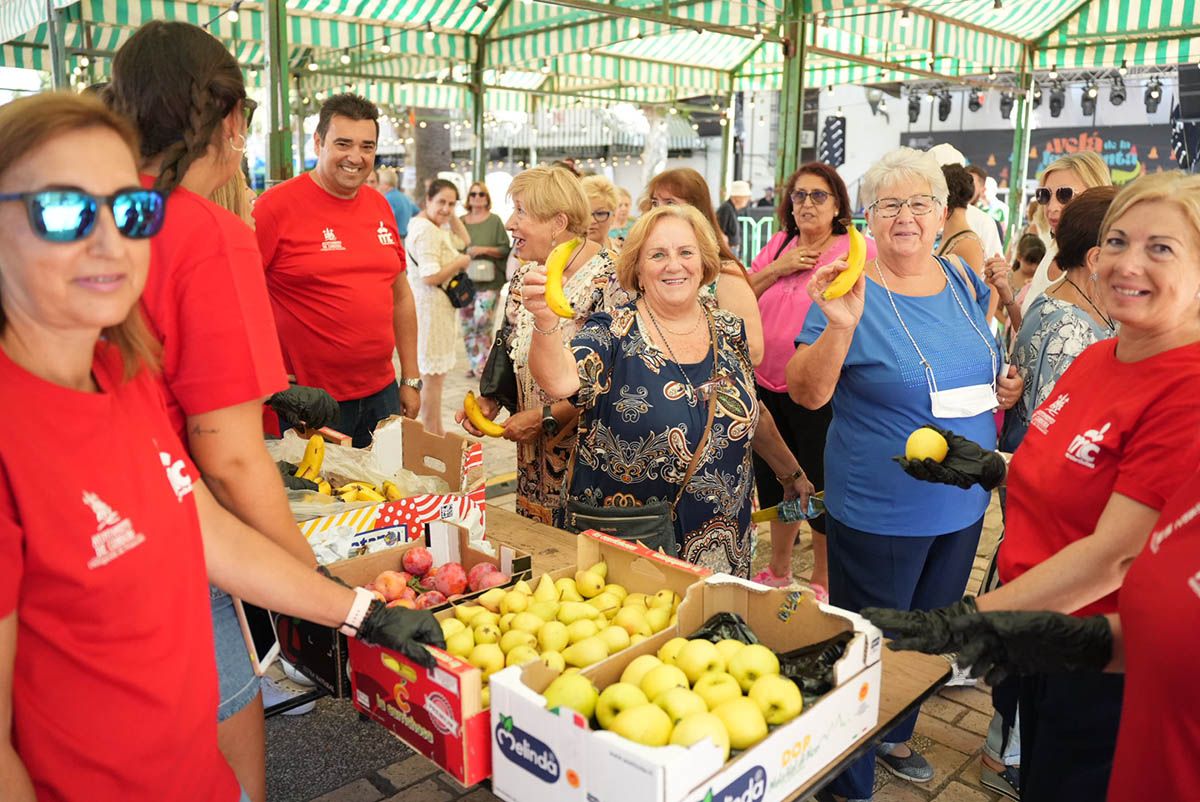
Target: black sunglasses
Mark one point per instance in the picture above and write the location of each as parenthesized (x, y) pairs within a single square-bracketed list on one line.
[(249, 106), (68, 214), (1063, 194), (477, 194)]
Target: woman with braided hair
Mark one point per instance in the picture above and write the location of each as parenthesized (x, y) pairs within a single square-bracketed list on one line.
[(206, 303)]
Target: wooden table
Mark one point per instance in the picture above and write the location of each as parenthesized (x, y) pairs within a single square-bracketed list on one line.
[(909, 678)]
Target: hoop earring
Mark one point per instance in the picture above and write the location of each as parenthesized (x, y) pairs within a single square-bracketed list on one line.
[(234, 147)]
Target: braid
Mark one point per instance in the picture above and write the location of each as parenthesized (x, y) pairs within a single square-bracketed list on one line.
[(203, 118)]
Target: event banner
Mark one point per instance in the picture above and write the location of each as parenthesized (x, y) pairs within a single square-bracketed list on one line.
[(1130, 150)]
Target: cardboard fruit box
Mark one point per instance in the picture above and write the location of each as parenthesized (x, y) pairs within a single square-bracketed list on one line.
[(540, 754), (440, 713), (320, 652)]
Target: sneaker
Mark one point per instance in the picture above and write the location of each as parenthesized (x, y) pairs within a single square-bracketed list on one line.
[(771, 579), (913, 767), (275, 694), (959, 677), (293, 673), (1007, 782)]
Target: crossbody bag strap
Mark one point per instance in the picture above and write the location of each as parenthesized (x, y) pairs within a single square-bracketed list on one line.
[(702, 446)]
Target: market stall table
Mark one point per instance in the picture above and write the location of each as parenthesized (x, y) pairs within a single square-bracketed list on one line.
[(908, 678)]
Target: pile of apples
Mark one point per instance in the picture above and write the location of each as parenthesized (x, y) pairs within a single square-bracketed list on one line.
[(729, 692), (568, 624), (422, 585)]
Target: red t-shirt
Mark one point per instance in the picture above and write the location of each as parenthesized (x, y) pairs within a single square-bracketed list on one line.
[(1158, 746), (1108, 427), (331, 264), (206, 302), (114, 685)]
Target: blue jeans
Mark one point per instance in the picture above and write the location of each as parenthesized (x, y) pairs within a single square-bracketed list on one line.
[(905, 573), (238, 682), (359, 416)]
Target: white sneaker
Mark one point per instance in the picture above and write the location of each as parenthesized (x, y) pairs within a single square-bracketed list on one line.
[(293, 673), (959, 678), (275, 694)]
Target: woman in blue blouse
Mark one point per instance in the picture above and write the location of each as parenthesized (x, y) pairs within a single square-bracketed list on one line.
[(908, 345), (647, 378)]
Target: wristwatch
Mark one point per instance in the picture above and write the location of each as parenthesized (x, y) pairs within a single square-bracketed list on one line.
[(416, 384), (549, 422)]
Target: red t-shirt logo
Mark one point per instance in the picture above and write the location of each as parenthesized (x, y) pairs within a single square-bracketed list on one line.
[(1084, 447)]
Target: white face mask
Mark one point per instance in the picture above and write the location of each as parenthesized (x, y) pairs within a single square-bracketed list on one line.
[(963, 402)]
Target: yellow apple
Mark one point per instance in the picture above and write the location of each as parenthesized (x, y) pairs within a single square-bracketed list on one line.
[(485, 696), (517, 637), (752, 662), (636, 638), (679, 703), (777, 697), (614, 699), (587, 651), (574, 691), (637, 668), (487, 657), (728, 648), (553, 636), (743, 721), (661, 679), (668, 651), (615, 638), (647, 725), (697, 727), (716, 688), (698, 657)]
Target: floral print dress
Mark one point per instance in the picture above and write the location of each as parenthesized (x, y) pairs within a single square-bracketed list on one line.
[(643, 424)]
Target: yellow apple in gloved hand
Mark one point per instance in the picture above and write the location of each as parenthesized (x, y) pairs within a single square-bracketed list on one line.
[(717, 687), (925, 443), (777, 697), (699, 726), (615, 699), (697, 658), (647, 725), (752, 662), (574, 691), (679, 703), (743, 721)]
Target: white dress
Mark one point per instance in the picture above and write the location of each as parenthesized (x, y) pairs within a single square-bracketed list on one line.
[(428, 249)]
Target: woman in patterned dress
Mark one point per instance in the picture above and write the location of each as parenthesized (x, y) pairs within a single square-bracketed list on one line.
[(643, 376), (549, 207)]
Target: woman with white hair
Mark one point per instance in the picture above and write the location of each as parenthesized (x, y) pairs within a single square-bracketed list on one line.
[(909, 344)]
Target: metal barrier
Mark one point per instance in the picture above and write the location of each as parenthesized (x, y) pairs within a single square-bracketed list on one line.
[(757, 231)]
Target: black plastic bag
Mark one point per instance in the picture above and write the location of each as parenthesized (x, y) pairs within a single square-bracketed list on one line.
[(725, 626), (811, 667)]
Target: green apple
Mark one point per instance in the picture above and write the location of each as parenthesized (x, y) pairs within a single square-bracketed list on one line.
[(743, 721), (699, 726), (614, 699), (583, 628), (670, 649), (516, 637), (752, 662), (638, 667), (487, 657), (574, 691), (521, 655), (615, 637), (697, 658), (553, 636), (728, 648), (647, 725), (661, 679), (554, 660), (777, 697), (587, 651), (717, 687), (679, 703)]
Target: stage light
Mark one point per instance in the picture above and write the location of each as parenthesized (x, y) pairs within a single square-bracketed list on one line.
[(1116, 95), (1087, 99), (914, 108), (1153, 96), (975, 101), (944, 105), (1058, 98), (1006, 104)]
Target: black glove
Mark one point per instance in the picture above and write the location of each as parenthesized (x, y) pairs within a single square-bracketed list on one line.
[(299, 404), (1021, 642), (404, 631), (287, 472), (929, 631), (966, 463)]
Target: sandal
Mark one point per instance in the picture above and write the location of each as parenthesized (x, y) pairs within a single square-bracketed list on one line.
[(771, 579)]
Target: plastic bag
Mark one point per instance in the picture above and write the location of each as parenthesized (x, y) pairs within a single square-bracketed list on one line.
[(725, 626), (811, 667)]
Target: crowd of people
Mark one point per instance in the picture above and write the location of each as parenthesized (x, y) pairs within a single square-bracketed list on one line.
[(139, 344)]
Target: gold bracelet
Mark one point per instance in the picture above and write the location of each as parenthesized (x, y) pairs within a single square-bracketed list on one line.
[(554, 330)]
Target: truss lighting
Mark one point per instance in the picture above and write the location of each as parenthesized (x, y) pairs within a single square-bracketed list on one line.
[(1087, 99), (1006, 104), (1153, 96), (944, 105), (975, 101), (1116, 95), (1037, 96), (914, 108), (1058, 98)]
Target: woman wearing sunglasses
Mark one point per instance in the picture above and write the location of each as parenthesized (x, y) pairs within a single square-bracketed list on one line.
[(207, 305), (813, 216), (103, 586), (488, 251), (908, 344), (1062, 180), (602, 197)]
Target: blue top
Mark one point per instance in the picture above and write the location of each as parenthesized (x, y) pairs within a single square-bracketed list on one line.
[(403, 208), (882, 396)]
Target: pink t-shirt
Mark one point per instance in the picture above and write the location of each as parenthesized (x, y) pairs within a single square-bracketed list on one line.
[(785, 304)]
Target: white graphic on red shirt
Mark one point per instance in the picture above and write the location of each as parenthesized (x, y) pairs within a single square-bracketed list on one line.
[(181, 483), (385, 236), (1194, 583), (114, 535), (1043, 418), (1084, 447), (331, 243), (1159, 535)]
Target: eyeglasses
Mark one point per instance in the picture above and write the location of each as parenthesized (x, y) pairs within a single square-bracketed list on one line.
[(476, 194), (817, 196), (249, 106), (1062, 194), (919, 205), (68, 214), (601, 215)]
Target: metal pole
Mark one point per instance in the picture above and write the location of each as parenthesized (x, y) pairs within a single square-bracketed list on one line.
[(298, 151), (279, 118), (791, 99), (58, 49), (477, 109), (1020, 153), (727, 144)]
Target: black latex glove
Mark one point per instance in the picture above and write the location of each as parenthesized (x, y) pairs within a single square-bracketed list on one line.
[(929, 631), (1021, 642), (966, 464), (404, 631), (310, 405), (287, 472)]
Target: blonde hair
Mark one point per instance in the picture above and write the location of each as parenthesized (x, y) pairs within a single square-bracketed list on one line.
[(232, 196), (599, 188), (549, 191), (624, 193), (901, 165), (1088, 165), (28, 123), (1174, 187), (629, 260), (387, 175)]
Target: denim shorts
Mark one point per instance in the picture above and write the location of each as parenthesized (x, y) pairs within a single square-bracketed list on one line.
[(238, 683)]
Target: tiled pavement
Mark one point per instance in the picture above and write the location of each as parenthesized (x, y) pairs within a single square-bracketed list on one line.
[(331, 756)]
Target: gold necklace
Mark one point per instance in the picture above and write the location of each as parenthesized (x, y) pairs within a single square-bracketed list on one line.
[(689, 333)]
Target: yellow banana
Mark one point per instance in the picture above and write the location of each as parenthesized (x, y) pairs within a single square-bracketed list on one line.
[(391, 492), (856, 259), (324, 488), (370, 495), (360, 486), (314, 457), (556, 263), (350, 496), (478, 419)]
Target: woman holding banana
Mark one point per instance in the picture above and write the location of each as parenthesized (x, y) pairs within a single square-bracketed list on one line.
[(908, 343), (666, 389), (550, 209)]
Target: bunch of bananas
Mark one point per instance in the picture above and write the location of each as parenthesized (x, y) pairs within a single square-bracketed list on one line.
[(310, 467), (365, 491)]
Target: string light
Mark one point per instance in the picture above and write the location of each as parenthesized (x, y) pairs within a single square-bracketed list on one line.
[(386, 47), (429, 32), (345, 57), (905, 20), (231, 16), (312, 66), (758, 33)]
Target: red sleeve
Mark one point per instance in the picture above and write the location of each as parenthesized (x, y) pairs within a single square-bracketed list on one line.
[(225, 350), (389, 221), (12, 551), (266, 229), (1163, 452)]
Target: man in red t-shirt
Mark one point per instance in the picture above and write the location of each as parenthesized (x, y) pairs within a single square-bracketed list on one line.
[(335, 274)]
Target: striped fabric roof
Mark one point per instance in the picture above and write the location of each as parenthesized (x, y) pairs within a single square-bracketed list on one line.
[(577, 47)]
